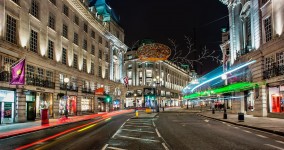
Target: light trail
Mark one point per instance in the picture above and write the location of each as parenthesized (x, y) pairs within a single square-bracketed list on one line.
[(218, 76)]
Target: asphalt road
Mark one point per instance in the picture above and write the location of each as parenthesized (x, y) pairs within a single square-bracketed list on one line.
[(188, 131), (92, 134)]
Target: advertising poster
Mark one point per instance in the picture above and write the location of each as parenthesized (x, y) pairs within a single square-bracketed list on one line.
[(7, 110)]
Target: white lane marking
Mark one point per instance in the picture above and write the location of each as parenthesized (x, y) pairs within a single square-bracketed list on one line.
[(260, 136), (154, 124), (236, 127), (135, 138), (105, 147), (206, 120), (224, 122), (274, 146), (118, 130), (138, 123), (159, 135), (116, 148), (138, 126), (279, 142), (247, 131), (137, 131), (166, 148), (228, 125)]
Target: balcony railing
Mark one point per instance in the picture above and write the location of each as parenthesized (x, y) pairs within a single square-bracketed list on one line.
[(5, 76), (69, 87), (273, 72), (87, 90), (242, 52), (40, 82)]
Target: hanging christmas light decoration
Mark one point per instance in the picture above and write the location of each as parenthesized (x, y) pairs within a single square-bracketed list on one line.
[(153, 52)]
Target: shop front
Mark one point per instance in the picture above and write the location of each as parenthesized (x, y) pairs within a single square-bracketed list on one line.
[(276, 99), (87, 105), (69, 102), (35, 101), (7, 106), (116, 104)]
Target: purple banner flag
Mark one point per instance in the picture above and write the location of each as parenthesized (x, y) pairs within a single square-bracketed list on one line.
[(18, 73)]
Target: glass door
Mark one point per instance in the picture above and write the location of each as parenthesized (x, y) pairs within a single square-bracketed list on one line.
[(31, 111)]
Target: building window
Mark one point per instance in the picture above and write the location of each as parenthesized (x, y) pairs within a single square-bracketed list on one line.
[(129, 74), (268, 29), (40, 73), (49, 76), (30, 71), (75, 61), (75, 41), (248, 33), (93, 50), (33, 41), (100, 71), (65, 31), (129, 66), (148, 73), (35, 9), (100, 54), (76, 20), (280, 59), (11, 30), (51, 21), (100, 40), (64, 56), (84, 65), (50, 49), (139, 65), (129, 57), (93, 35), (65, 10), (92, 68), (106, 74), (106, 45), (85, 44), (53, 2), (85, 27), (269, 61)]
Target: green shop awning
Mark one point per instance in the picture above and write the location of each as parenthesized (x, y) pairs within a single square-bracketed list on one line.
[(236, 87)]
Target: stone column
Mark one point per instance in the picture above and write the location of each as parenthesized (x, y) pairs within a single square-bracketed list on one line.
[(55, 95), (79, 97), (20, 106), (95, 104), (238, 104), (260, 103)]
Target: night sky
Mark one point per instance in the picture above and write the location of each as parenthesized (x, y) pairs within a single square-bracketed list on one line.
[(163, 19)]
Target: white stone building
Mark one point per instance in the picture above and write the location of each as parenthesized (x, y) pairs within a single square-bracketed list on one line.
[(58, 39), (256, 33), (163, 78)]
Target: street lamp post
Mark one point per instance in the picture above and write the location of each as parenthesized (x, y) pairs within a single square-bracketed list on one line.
[(66, 81), (224, 77)]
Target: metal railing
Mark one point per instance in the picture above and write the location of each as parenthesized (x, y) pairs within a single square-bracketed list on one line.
[(69, 87), (40, 82), (273, 72), (5, 76), (87, 90)]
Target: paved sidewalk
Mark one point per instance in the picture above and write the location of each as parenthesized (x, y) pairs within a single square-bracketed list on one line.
[(273, 125), (9, 130)]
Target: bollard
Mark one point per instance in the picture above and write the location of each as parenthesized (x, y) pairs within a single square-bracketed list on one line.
[(213, 111), (136, 113)]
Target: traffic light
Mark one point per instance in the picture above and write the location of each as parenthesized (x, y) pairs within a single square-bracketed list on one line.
[(108, 99)]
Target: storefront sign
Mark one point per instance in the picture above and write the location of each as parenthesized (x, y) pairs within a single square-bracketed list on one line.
[(99, 91), (7, 110)]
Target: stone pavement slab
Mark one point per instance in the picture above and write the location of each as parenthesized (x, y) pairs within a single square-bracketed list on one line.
[(272, 125)]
